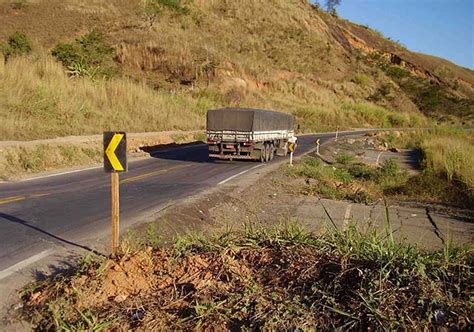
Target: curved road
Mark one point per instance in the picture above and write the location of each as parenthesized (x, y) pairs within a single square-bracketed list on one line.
[(38, 215)]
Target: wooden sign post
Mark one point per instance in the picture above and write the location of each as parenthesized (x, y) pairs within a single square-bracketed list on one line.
[(115, 162)]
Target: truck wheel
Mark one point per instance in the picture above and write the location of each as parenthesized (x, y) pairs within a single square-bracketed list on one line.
[(272, 151), (267, 152), (263, 152)]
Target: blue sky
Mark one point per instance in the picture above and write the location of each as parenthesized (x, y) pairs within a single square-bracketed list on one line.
[(443, 28)]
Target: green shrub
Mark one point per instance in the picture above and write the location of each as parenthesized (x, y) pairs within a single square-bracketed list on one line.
[(389, 168), (362, 171), (18, 43), (343, 175), (345, 158), (361, 79), (86, 56), (397, 72)]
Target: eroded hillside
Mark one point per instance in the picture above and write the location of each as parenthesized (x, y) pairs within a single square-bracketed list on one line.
[(166, 62)]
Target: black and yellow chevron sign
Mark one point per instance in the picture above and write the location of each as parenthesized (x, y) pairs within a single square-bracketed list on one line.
[(115, 152)]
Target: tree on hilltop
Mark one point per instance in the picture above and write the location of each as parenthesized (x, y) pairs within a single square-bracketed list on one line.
[(331, 6)]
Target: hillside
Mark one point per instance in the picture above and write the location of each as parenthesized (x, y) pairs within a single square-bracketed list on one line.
[(160, 64)]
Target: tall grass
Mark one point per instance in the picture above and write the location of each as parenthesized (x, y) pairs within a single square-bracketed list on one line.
[(448, 152), (451, 155), (38, 100)]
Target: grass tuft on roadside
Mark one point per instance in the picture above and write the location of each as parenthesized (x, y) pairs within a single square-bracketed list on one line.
[(347, 178), (277, 278)]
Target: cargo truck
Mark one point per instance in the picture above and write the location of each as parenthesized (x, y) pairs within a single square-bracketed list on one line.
[(245, 133)]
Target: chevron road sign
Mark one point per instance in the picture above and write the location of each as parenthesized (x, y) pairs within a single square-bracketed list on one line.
[(115, 162), (115, 152)]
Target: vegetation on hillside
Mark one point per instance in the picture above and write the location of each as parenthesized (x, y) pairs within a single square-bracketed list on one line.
[(259, 57), (87, 56), (17, 44), (432, 99), (282, 278)]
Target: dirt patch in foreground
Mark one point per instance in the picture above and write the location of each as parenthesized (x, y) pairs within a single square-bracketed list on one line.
[(271, 280)]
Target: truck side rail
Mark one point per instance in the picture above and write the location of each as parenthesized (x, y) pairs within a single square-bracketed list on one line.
[(254, 136)]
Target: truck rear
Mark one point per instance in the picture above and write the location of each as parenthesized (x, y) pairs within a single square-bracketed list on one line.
[(244, 133)]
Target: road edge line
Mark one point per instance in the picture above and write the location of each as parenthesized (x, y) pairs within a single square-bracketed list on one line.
[(238, 174), (24, 263)]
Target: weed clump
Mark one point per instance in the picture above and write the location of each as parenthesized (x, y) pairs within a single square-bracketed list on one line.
[(17, 44), (280, 278)]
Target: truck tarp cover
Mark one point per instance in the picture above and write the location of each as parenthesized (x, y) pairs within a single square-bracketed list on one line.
[(247, 119)]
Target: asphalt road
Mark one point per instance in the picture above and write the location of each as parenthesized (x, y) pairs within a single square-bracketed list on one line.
[(73, 209)]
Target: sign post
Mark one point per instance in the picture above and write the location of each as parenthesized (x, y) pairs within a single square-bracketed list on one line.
[(318, 141), (115, 162)]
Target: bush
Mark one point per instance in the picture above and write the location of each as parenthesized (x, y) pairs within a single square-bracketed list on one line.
[(362, 171), (345, 158), (311, 168), (17, 44), (86, 56), (343, 175), (397, 72), (389, 168)]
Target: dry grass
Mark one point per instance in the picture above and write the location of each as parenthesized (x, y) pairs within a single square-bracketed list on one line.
[(43, 102), (18, 161), (38, 100), (448, 154), (453, 156)]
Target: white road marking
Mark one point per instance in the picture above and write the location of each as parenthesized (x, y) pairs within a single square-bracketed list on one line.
[(58, 174), (24, 263), (347, 216), (378, 158), (238, 174)]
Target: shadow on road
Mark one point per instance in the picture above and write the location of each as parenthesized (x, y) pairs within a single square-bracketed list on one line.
[(192, 152), (26, 224)]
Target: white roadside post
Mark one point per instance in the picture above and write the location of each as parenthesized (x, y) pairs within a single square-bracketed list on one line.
[(291, 147), (318, 142), (337, 132)]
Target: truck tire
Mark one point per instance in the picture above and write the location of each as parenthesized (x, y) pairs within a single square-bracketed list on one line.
[(263, 153), (267, 152), (272, 151)]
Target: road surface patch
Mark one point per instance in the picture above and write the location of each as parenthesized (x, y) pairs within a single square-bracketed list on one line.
[(238, 174), (151, 174), (24, 263)]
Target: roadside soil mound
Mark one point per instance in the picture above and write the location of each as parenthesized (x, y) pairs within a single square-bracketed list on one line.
[(292, 280)]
